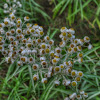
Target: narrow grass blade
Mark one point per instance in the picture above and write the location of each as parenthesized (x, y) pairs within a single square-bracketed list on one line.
[(52, 35), (90, 98), (31, 76)]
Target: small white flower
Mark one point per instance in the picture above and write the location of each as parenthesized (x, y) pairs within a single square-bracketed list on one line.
[(57, 56), (79, 97), (52, 53), (18, 30), (11, 14), (61, 66), (10, 9), (35, 26), (26, 18), (63, 29), (8, 59), (79, 48), (12, 31), (42, 58), (51, 42), (72, 96), (57, 82), (2, 31), (90, 46), (46, 38), (80, 73), (35, 77), (6, 11), (11, 38), (62, 44), (19, 63), (20, 5), (28, 52), (85, 95), (81, 41), (42, 51), (86, 39), (66, 64), (57, 69), (73, 73), (28, 25), (81, 92), (29, 40), (34, 51), (12, 24), (19, 21), (49, 74), (14, 6), (71, 31), (54, 61), (58, 50), (79, 55), (80, 60), (44, 63), (44, 80), (40, 28), (66, 98), (35, 66), (18, 2), (50, 68), (5, 5), (23, 52), (6, 21), (14, 11), (61, 36), (66, 82), (23, 59), (31, 60), (1, 48)]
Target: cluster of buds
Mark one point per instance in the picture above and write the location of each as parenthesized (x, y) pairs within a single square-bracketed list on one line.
[(25, 43), (11, 6)]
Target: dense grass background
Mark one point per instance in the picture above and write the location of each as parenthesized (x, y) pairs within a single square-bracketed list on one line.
[(84, 17)]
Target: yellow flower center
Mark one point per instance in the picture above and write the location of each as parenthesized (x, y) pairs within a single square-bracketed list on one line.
[(57, 69), (73, 83)]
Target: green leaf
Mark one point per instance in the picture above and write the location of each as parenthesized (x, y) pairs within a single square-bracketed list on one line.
[(63, 8), (58, 7), (85, 4), (52, 35), (97, 98), (94, 95), (63, 91), (49, 85), (91, 76), (81, 7), (90, 51), (31, 76), (36, 4)]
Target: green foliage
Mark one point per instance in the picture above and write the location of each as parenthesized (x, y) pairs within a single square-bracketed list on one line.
[(76, 8), (34, 10)]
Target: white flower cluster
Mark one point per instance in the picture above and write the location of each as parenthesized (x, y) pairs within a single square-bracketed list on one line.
[(11, 5), (24, 42), (80, 96)]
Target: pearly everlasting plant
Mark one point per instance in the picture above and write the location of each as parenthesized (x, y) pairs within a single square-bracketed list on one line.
[(25, 43), (11, 6)]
